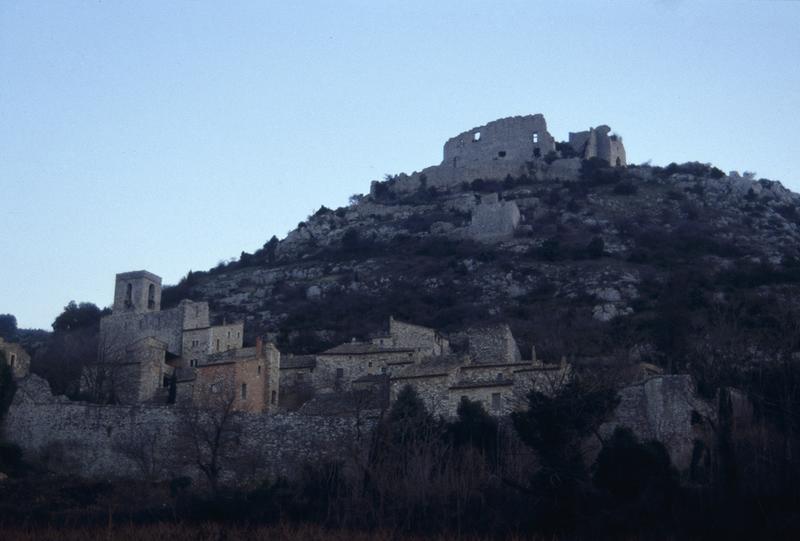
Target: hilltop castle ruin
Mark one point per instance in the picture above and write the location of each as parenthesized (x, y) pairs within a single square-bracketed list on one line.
[(515, 146)]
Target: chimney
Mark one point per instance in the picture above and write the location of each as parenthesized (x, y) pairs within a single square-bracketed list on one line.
[(259, 346)]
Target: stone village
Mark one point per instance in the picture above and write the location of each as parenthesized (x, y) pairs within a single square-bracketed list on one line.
[(152, 362)]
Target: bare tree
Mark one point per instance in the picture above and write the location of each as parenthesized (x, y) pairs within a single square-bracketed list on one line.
[(211, 434), (141, 445)]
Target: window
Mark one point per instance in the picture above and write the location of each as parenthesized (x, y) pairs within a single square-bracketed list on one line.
[(259, 370), (502, 154), (244, 391), (535, 137), (339, 373), (369, 364), (476, 137), (217, 344), (193, 362), (497, 401), (216, 387), (499, 376), (383, 369), (238, 334), (274, 397), (13, 359), (195, 343), (229, 334), (129, 295), (151, 297)]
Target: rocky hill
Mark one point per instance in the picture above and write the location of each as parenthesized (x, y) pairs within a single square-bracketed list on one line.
[(581, 259)]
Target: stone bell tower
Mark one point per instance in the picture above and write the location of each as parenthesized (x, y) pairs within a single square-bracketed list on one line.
[(137, 291)]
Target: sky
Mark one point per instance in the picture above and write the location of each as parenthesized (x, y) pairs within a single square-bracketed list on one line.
[(169, 136)]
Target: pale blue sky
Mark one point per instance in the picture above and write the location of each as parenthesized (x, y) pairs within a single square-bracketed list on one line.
[(170, 135)]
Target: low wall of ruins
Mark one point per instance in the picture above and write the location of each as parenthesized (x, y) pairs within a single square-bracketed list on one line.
[(149, 441), (102, 441)]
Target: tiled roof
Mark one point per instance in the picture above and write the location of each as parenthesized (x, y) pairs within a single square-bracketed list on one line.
[(363, 348), (298, 361), (429, 366), (484, 383)]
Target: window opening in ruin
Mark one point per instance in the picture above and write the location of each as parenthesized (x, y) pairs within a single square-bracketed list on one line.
[(229, 334), (619, 162), (499, 376), (535, 137), (259, 370), (151, 297), (476, 137), (244, 391), (383, 369), (195, 343), (274, 397), (497, 401), (369, 364), (216, 387), (537, 152), (129, 295), (193, 362), (339, 373), (502, 153), (13, 360), (238, 334)]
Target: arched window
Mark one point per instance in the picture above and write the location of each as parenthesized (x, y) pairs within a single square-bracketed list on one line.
[(151, 297), (129, 295)]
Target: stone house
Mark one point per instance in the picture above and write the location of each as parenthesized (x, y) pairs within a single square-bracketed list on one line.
[(492, 373), (403, 344), (16, 358), (248, 377)]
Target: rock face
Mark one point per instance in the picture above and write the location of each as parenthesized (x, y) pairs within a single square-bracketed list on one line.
[(667, 409)]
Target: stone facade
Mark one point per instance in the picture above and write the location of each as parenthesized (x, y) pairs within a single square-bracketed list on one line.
[(249, 377), (493, 344), (16, 357)]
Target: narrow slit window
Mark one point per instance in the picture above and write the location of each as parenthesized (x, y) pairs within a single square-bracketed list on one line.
[(244, 391), (535, 137), (476, 137)]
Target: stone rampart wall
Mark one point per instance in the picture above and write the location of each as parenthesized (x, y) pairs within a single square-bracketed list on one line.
[(102, 441)]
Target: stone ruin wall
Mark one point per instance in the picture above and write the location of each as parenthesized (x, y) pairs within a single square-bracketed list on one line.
[(494, 220), (515, 139), (91, 440)]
